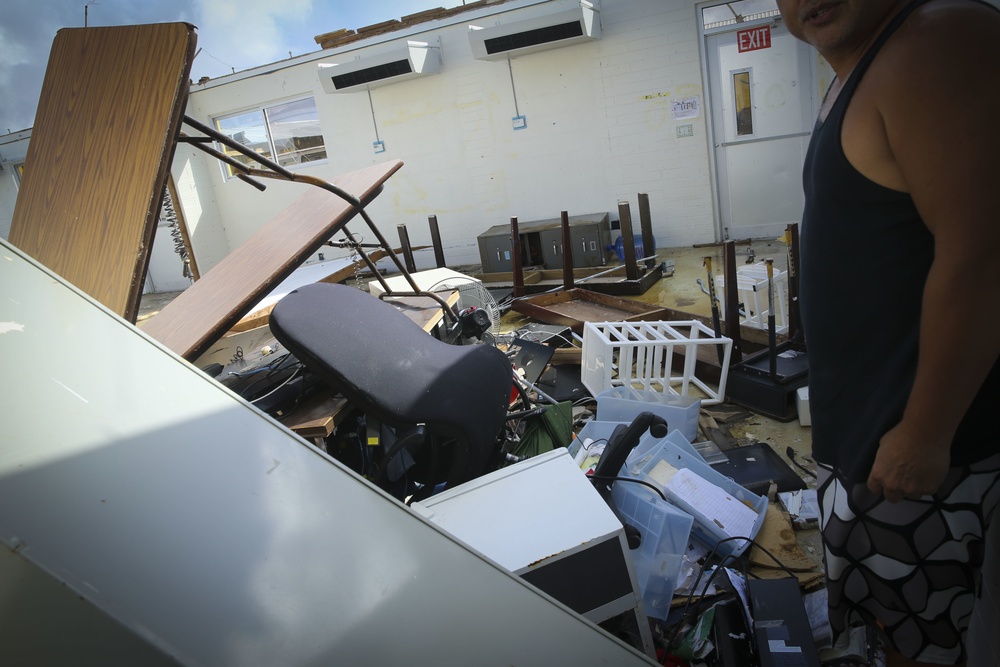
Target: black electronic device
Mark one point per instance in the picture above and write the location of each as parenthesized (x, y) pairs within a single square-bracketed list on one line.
[(529, 359), (755, 466), (731, 636), (780, 624), (562, 383)]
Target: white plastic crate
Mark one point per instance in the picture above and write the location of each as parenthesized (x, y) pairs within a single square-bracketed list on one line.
[(641, 355), (751, 284)]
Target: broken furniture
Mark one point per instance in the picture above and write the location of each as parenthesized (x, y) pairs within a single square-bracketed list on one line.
[(89, 212), (574, 307), (100, 154), (211, 306), (629, 278), (510, 516), (768, 380), (752, 287)]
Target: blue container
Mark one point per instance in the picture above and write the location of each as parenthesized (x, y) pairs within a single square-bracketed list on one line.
[(619, 248)]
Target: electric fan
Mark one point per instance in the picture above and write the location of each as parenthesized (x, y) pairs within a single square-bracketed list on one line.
[(473, 296)]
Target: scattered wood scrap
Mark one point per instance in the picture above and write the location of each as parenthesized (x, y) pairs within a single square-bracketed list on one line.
[(778, 536)]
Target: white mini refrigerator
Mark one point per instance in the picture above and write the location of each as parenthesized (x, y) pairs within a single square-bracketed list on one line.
[(543, 520)]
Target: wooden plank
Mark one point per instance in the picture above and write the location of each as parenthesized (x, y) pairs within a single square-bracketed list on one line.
[(318, 416), (102, 144), (261, 314), (573, 307), (207, 309), (424, 311)]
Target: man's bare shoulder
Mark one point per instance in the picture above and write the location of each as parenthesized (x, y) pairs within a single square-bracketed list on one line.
[(946, 31), (935, 100), (947, 50)]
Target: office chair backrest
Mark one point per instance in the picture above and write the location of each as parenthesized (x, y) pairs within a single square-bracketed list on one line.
[(388, 366)]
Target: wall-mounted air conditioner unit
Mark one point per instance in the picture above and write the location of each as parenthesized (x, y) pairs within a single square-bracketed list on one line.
[(408, 62), (540, 33)]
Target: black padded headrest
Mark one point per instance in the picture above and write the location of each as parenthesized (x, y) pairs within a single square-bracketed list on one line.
[(382, 360)]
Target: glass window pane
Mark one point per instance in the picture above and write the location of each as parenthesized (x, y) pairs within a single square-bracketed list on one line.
[(742, 103), (248, 129), (295, 132), (734, 13)]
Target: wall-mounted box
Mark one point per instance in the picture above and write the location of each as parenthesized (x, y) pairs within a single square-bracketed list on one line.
[(539, 33), (413, 60)]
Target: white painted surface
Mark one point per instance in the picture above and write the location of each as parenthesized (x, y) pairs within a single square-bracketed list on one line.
[(211, 533), (599, 129)]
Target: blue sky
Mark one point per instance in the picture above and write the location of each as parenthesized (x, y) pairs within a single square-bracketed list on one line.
[(232, 34)]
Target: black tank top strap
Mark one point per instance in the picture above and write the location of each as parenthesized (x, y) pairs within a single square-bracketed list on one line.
[(869, 56)]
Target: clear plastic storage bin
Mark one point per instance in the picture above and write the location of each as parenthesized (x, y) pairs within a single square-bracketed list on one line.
[(714, 498), (665, 532), (623, 404)]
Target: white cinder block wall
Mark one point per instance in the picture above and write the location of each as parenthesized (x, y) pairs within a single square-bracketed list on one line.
[(599, 130)]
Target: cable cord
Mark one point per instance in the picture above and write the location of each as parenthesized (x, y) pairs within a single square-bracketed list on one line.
[(687, 604), (287, 380), (630, 479), (791, 457)]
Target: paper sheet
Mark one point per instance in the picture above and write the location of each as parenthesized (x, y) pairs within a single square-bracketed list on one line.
[(728, 513)]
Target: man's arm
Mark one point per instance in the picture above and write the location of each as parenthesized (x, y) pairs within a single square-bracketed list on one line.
[(941, 111)]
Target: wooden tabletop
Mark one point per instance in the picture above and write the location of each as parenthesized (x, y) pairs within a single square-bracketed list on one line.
[(210, 307), (102, 144)]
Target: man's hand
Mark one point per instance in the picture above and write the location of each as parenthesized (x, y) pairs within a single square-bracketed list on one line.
[(909, 464)]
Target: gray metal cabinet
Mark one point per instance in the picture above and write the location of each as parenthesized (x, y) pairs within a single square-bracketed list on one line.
[(495, 250), (542, 244)]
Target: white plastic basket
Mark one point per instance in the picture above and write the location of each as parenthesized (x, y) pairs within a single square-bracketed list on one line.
[(640, 355), (751, 285)]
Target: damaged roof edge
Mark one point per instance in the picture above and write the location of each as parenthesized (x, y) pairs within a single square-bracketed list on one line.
[(382, 35)]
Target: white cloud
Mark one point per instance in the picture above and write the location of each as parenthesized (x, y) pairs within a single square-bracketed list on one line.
[(11, 54), (246, 33)]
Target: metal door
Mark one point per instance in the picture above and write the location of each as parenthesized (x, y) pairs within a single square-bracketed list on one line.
[(552, 247), (588, 247), (496, 254), (762, 109)]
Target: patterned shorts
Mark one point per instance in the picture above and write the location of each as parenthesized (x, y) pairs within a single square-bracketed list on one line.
[(912, 567)]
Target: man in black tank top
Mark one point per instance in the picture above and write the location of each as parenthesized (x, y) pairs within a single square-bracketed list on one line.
[(900, 300)]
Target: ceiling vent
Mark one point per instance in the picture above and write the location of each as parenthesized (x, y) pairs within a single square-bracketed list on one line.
[(367, 72), (541, 33)]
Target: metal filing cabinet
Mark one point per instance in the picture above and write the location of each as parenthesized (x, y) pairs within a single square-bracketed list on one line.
[(495, 249), (541, 243)]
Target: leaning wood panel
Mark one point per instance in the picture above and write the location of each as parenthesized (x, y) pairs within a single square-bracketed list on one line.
[(104, 137), (201, 314)]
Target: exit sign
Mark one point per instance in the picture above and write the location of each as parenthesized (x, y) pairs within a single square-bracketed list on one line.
[(754, 38)]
